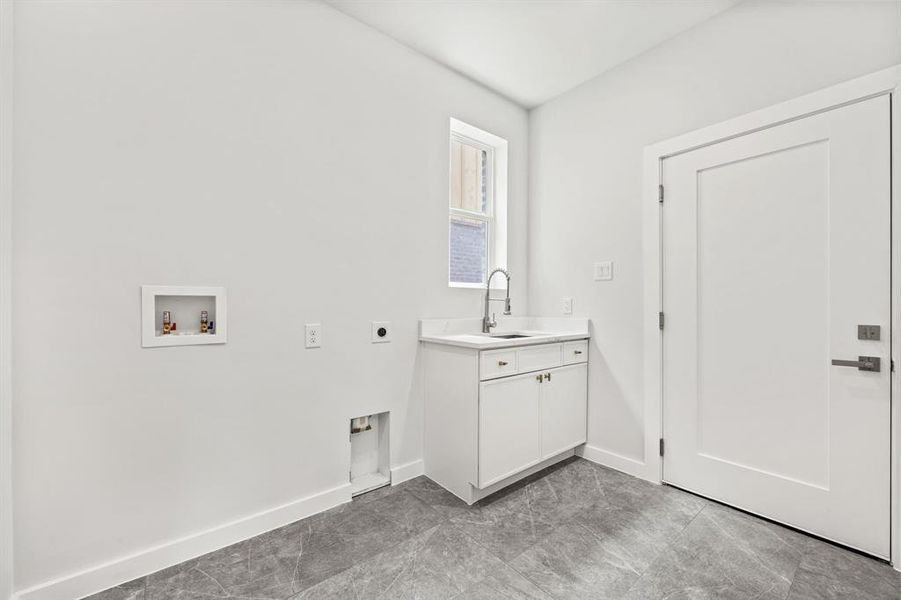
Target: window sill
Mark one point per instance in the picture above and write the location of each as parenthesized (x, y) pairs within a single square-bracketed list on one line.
[(476, 286), (473, 286)]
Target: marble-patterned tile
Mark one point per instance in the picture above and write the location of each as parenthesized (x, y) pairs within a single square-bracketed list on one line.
[(565, 491), (438, 498), (639, 532), (518, 517), (549, 470), (504, 584), (575, 563), (290, 559), (638, 492), (132, 590), (582, 484), (346, 540), (436, 564), (408, 512), (828, 572), (724, 554), (243, 569), (579, 481), (509, 522)]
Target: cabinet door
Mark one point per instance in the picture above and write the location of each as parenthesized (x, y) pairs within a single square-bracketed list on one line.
[(509, 429), (564, 409)]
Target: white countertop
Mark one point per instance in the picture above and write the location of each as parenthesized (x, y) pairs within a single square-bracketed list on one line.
[(466, 333)]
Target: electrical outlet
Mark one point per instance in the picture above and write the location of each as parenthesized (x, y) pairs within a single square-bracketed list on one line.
[(567, 305), (313, 337), (603, 271), (381, 332)]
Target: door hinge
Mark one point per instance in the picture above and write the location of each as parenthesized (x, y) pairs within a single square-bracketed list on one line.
[(661, 446), (893, 365), (660, 193), (661, 320)]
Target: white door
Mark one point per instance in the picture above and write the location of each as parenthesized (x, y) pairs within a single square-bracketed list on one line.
[(509, 428), (776, 247), (564, 397)]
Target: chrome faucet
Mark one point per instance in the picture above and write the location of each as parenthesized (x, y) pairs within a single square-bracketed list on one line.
[(487, 323)]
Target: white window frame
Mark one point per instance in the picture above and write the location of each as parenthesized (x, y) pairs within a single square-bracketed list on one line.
[(495, 214)]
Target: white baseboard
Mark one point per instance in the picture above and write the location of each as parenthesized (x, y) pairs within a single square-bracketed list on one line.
[(408, 471), (625, 464), (127, 568)]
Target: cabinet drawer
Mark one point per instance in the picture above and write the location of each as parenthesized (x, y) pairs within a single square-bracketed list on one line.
[(497, 363), (575, 352), (533, 358)]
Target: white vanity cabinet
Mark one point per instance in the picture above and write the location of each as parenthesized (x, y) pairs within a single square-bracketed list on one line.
[(494, 416), (525, 419)]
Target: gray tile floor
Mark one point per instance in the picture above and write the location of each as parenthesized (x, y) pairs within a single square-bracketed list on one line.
[(574, 530)]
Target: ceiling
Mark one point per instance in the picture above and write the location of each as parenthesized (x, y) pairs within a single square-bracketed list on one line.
[(531, 50)]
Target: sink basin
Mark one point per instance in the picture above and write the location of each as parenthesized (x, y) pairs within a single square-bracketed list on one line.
[(510, 336)]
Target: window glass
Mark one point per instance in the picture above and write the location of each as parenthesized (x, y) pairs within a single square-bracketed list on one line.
[(469, 177), (468, 250)]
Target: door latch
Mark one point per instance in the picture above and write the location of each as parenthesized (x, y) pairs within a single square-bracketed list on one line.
[(869, 332)]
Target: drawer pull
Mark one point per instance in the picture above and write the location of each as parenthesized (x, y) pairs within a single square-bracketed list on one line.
[(577, 352), (502, 363)]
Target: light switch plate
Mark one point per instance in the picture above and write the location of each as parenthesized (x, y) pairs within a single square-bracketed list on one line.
[(603, 271), (381, 332), (313, 335), (567, 306)]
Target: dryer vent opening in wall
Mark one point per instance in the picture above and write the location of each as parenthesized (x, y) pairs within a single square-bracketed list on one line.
[(369, 461)]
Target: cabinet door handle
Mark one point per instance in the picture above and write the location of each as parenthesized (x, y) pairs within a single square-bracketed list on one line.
[(547, 376), (502, 363), (538, 377), (577, 352)]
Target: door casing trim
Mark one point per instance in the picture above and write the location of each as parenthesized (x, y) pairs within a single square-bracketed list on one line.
[(884, 82), (7, 14)]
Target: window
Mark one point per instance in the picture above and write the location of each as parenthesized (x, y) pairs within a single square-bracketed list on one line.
[(478, 194)]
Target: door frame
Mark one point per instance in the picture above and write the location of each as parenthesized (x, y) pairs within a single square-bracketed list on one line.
[(7, 14), (884, 82)]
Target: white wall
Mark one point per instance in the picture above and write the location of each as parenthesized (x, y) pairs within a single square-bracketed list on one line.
[(586, 166), (279, 149)]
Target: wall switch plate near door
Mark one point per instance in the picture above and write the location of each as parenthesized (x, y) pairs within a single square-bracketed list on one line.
[(603, 271), (567, 306)]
